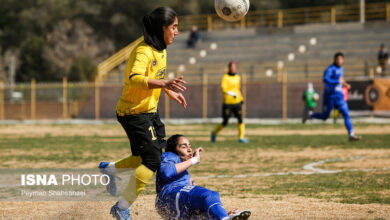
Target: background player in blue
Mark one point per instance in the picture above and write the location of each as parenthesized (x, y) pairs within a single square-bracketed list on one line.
[(333, 95), (177, 197)]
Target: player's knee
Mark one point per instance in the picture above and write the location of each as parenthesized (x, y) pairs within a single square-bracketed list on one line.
[(239, 119), (346, 116), (212, 198), (153, 163), (153, 166), (344, 111), (215, 194), (212, 195)]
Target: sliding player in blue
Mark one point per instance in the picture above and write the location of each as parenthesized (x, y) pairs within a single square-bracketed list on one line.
[(177, 196), (333, 95)]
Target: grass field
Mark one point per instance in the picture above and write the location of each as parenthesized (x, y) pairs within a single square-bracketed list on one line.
[(276, 175)]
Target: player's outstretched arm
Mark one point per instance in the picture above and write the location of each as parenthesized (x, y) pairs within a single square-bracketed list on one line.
[(176, 84), (141, 81), (181, 167), (169, 169)]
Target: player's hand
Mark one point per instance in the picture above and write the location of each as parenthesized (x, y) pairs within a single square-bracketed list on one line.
[(176, 84), (344, 83), (197, 153), (177, 96)]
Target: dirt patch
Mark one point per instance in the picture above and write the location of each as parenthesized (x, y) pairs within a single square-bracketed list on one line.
[(363, 163), (265, 207), (109, 155), (313, 153), (234, 160), (15, 131), (326, 152), (261, 161), (111, 140), (41, 152)]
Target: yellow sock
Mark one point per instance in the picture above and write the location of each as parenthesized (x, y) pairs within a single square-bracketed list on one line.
[(137, 183), (335, 113), (241, 130), (218, 129), (128, 162)]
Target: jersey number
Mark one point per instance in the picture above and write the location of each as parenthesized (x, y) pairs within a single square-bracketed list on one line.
[(151, 129), (187, 188)]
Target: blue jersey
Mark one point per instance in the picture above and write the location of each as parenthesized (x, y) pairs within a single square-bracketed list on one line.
[(178, 199), (167, 177), (334, 97), (332, 77)]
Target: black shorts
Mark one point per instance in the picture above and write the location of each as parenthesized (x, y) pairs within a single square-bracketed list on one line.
[(146, 134), (229, 109)]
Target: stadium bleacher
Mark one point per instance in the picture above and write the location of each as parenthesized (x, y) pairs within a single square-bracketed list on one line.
[(256, 51)]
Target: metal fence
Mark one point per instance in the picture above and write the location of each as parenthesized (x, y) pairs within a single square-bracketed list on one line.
[(276, 98), (44, 100)]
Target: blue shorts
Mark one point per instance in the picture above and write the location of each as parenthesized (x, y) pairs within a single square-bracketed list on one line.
[(189, 202)]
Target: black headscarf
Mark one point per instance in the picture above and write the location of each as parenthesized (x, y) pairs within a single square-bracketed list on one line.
[(229, 66), (153, 26)]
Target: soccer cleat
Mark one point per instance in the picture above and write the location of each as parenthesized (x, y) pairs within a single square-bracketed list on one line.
[(213, 137), (111, 186), (120, 214), (305, 117), (243, 215), (244, 141), (354, 138)]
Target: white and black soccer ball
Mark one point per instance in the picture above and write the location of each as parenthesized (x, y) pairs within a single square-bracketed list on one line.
[(316, 97), (231, 10)]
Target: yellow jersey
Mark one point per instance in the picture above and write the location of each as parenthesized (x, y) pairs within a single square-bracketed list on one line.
[(231, 86), (145, 62)]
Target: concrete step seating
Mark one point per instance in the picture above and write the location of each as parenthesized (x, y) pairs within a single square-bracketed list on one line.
[(256, 53)]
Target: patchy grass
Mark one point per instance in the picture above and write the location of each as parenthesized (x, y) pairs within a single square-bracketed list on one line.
[(346, 187), (264, 154)]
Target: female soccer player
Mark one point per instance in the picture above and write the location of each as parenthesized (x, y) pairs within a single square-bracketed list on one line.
[(333, 95), (177, 197), (232, 103), (137, 107)]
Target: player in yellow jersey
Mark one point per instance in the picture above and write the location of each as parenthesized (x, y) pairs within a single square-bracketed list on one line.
[(137, 107), (232, 102)]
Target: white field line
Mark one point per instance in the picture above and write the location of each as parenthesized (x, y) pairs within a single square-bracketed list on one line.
[(309, 169)]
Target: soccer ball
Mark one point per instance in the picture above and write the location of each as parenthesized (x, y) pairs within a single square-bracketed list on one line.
[(231, 10), (316, 96)]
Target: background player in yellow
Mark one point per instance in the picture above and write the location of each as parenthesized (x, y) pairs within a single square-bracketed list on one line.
[(137, 107), (232, 102)]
